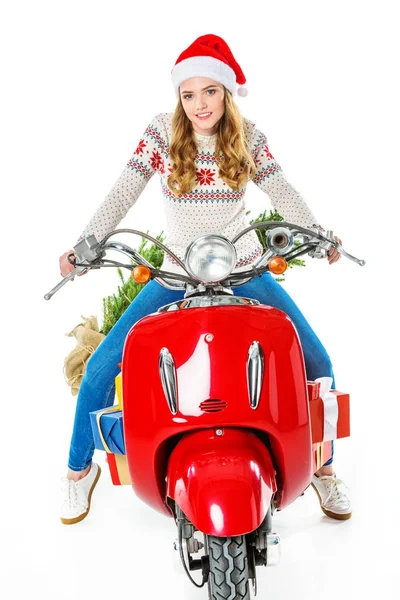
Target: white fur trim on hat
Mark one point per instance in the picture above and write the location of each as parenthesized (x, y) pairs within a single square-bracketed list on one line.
[(204, 66)]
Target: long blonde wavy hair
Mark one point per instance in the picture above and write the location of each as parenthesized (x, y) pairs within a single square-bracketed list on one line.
[(235, 163)]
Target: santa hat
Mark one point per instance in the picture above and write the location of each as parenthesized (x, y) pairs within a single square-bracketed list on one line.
[(209, 56)]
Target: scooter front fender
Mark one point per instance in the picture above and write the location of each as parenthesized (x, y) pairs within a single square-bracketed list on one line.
[(222, 483)]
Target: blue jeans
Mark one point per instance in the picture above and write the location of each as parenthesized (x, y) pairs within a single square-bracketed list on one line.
[(97, 389)]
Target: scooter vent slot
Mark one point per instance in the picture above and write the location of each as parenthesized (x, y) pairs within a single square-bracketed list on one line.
[(213, 405)]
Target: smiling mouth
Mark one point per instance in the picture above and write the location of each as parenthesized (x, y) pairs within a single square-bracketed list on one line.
[(203, 116)]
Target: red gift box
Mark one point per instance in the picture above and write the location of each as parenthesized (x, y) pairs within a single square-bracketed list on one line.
[(317, 413), (322, 452), (313, 389), (118, 469)]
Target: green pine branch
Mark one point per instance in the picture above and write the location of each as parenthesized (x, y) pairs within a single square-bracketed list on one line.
[(114, 306)]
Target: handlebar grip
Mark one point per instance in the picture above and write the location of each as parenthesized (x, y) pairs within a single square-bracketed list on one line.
[(63, 282)]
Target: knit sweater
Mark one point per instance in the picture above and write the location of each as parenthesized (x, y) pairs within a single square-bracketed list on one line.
[(211, 206)]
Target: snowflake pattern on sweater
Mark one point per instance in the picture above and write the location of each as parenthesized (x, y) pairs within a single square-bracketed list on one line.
[(212, 206)]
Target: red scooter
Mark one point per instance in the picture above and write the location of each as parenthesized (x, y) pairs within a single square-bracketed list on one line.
[(215, 407)]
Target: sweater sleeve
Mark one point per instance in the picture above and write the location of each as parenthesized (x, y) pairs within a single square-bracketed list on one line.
[(145, 161), (270, 178)]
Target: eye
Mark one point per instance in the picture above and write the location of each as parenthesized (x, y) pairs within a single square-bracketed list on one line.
[(187, 96), (211, 92)]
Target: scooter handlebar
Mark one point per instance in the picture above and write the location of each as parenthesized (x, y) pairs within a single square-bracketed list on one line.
[(91, 252)]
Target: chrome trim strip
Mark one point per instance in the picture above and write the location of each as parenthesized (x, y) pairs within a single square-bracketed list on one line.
[(255, 373), (205, 301), (167, 371)]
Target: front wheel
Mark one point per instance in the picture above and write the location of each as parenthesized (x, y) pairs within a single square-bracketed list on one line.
[(229, 571)]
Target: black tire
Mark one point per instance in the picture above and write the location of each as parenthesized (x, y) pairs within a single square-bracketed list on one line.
[(229, 572)]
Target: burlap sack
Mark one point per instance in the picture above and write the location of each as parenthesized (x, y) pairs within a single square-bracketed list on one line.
[(88, 338)]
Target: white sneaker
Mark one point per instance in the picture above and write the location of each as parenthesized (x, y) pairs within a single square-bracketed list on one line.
[(332, 496), (77, 495)]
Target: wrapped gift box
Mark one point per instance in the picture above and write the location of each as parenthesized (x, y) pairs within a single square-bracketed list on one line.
[(313, 389), (330, 414), (107, 428), (118, 469), (108, 435), (322, 452)]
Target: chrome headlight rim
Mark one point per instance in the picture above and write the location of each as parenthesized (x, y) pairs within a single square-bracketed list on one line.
[(208, 236)]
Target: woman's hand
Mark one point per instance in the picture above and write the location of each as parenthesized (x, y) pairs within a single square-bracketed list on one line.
[(333, 254), (65, 265)]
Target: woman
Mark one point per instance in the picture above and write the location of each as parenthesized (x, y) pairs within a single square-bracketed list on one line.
[(204, 153)]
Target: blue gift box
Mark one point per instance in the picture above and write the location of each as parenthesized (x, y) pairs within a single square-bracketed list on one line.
[(111, 424)]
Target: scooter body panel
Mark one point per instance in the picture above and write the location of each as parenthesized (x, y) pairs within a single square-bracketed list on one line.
[(210, 349), (223, 483)]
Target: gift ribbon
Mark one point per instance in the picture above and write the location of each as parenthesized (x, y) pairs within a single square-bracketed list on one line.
[(98, 417), (123, 470), (331, 409), (319, 455), (118, 387), (119, 469)]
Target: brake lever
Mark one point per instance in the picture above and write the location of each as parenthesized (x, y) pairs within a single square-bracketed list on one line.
[(359, 261), (321, 251), (69, 277)]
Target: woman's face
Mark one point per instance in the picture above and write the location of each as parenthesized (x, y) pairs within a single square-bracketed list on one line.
[(203, 102)]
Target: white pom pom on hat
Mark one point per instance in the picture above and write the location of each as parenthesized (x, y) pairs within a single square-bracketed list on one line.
[(209, 56)]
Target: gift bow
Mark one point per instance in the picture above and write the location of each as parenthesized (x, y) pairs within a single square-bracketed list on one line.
[(331, 409)]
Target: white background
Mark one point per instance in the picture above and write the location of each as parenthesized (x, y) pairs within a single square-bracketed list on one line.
[(80, 82)]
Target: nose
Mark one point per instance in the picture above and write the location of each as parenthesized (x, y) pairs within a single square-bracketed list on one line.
[(201, 103)]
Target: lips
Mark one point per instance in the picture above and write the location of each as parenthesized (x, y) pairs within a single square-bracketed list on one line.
[(204, 116)]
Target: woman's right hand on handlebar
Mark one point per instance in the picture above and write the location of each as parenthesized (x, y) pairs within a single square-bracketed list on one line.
[(65, 265)]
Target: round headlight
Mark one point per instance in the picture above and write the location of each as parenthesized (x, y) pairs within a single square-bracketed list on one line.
[(210, 258)]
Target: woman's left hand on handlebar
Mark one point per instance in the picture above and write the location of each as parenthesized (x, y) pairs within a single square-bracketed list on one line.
[(333, 254), (65, 266)]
